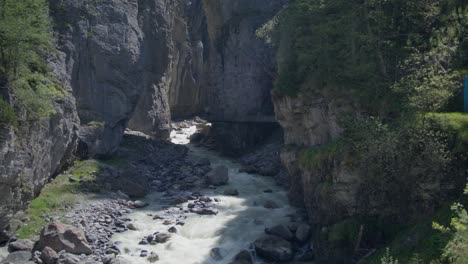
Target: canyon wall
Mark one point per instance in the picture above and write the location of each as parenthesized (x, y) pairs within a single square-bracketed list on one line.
[(33, 151), (138, 64)]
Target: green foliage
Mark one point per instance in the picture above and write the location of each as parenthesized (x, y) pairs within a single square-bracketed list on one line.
[(387, 258), (394, 159), (456, 124), (391, 55), (56, 195), (316, 156), (344, 233), (442, 239), (7, 114), (25, 39), (96, 124)]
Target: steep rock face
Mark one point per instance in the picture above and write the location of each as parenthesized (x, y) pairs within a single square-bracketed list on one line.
[(31, 153), (330, 187), (119, 59), (239, 70), (312, 121)]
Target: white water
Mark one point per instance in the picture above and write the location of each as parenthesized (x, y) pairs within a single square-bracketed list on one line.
[(3, 253), (239, 222)]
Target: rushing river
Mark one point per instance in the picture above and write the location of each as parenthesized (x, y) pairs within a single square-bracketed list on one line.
[(240, 220)]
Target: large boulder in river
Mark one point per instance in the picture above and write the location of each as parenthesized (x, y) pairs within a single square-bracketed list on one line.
[(243, 257), (218, 176), (60, 237), (274, 248), (281, 231)]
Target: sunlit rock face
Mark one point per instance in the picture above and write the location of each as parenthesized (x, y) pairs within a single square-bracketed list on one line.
[(120, 55)]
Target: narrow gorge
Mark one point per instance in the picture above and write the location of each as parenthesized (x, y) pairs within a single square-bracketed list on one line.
[(233, 131)]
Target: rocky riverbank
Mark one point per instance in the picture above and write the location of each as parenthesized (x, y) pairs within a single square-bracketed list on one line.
[(151, 198)]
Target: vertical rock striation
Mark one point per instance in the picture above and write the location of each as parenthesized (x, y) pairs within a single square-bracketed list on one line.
[(240, 69)]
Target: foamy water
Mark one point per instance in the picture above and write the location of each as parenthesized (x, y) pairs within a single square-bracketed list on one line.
[(240, 220), (3, 253)]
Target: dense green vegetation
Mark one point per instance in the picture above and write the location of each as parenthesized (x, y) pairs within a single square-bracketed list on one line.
[(25, 41), (399, 64), (441, 240), (393, 53)]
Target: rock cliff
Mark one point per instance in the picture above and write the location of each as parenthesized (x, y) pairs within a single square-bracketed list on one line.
[(138, 64), (31, 153)]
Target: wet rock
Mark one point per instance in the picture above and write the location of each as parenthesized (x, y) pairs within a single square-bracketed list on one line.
[(270, 204), (204, 211), (218, 176), (49, 256), (205, 199), (106, 259), (144, 253), (18, 257), (139, 204), (303, 233), (21, 245), (153, 257), (274, 248), (162, 237), (242, 257), (131, 227), (281, 231), (231, 192), (64, 237), (172, 230), (215, 253)]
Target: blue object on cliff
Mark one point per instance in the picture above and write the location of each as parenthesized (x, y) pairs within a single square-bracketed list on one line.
[(466, 94)]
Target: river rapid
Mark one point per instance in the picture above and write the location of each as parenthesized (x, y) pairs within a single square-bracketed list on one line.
[(204, 239)]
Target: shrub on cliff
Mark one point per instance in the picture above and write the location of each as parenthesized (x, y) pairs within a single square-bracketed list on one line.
[(25, 39), (7, 114), (392, 55)]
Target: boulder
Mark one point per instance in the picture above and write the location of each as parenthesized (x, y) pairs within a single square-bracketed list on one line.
[(218, 176), (274, 248), (303, 233), (162, 237), (60, 237), (139, 204), (281, 231), (49, 256), (21, 245), (153, 257), (242, 257), (18, 257), (204, 211), (215, 254)]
